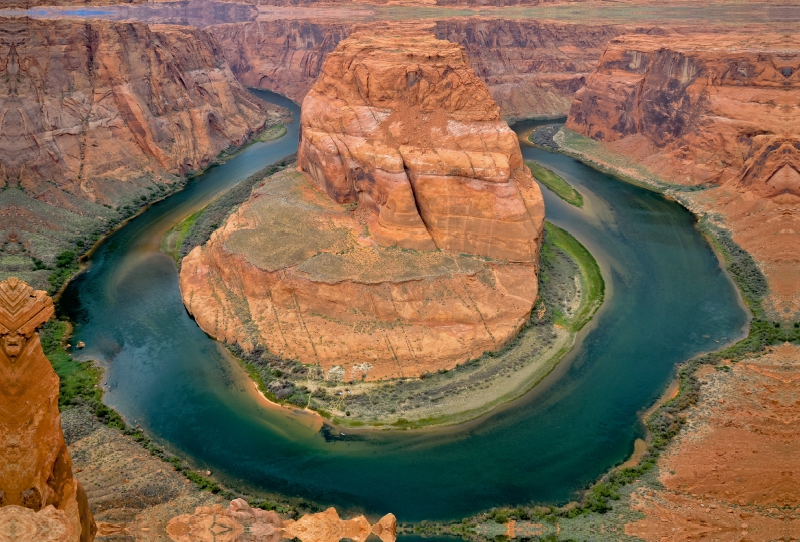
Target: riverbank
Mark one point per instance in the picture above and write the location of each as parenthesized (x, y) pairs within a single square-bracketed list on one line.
[(571, 290), (612, 508)]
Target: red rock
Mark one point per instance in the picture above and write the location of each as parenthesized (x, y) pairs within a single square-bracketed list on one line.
[(97, 113), (241, 523), (717, 110), (532, 68), (403, 127), (35, 467)]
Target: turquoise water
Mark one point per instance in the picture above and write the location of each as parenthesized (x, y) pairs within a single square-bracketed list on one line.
[(668, 299)]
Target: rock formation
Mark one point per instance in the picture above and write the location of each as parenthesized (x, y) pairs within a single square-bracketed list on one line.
[(38, 494), (93, 116), (717, 111), (402, 127), (710, 108), (241, 523), (419, 248), (532, 68)]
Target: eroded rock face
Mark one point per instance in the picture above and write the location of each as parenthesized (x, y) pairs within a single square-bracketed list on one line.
[(402, 126), (711, 108), (714, 110), (95, 115), (297, 274), (241, 523), (532, 68), (411, 243), (35, 467)]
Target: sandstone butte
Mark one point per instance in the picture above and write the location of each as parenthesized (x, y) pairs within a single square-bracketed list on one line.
[(39, 498), (409, 242), (532, 67), (95, 114), (716, 111), (241, 523)]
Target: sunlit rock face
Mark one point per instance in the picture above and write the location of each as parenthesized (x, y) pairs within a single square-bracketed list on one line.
[(532, 68), (712, 108), (409, 241), (39, 498), (95, 116), (721, 111), (402, 126)]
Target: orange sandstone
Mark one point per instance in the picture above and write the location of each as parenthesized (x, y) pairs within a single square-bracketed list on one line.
[(241, 523), (719, 111), (402, 126), (38, 494), (410, 245)]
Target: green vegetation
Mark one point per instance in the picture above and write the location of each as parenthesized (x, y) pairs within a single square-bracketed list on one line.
[(196, 229), (555, 184), (665, 423), (80, 386), (172, 241), (80, 380), (591, 278), (270, 133), (571, 289)]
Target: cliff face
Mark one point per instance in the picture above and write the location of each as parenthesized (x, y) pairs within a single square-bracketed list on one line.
[(713, 108), (95, 115), (718, 111), (532, 68), (404, 153), (413, 136), (39, 498)]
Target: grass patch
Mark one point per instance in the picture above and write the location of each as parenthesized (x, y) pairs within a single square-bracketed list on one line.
[(555, 184), (173, 239), (199, 230), (594, 286)]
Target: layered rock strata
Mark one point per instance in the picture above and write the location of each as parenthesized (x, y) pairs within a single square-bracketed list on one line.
[(717, 111), (94, 116), (532, 68), (404, 128), (39, 498), (410, 242)]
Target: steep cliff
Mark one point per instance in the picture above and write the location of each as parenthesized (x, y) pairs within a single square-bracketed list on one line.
[(96, 116), (411, 242), (39, 498), (532, 68), (717, 111)]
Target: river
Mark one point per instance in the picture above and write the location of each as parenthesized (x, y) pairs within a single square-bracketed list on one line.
[(667, 299)]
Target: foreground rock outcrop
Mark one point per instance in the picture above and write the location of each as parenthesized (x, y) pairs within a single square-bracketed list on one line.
[(410, 242), (240, 523), (716, 111), (97, 116), (39, 498)]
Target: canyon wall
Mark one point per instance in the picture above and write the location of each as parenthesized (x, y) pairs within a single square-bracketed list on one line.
[(39, 498), (408, 244), (94, 116), (718, 111), (532, 68)]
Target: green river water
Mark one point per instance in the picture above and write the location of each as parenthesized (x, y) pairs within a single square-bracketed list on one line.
[(667, 299)]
